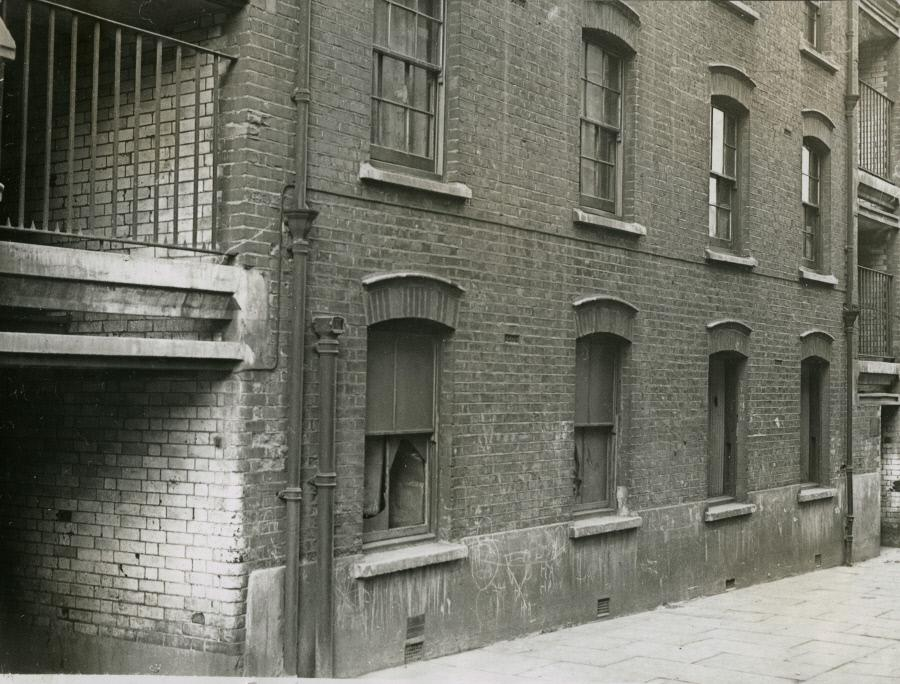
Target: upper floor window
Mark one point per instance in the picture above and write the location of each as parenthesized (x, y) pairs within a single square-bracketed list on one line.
[(597, 360), (400, 451), (813, 24), (601, 128), (723, 175), (811, 193), (407, 79)]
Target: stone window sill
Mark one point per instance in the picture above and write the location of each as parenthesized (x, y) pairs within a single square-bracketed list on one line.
[(603, 524), (407, 558), (729, 509), (811, 276), (742, 9), (817, 57), (807, 494), (717, 256), (587, 218), (374, 174)]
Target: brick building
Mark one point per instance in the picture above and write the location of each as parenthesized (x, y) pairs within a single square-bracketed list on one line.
[(383, 330)]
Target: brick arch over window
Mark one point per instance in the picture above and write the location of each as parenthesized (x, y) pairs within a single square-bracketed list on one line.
[(729, 335), (615, 18), (604, 314), (730, 82), (818, 125), (816, 344), (411, 294)]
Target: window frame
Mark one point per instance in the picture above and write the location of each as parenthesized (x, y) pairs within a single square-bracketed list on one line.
[(812, 207), (720, 176), (431, 167), (812, 24), (616, 346), (611, 206), (426, 530), (730, 366), (814, 383)]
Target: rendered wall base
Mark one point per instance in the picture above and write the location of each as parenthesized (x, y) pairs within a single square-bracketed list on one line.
[(264, 653), (525, 581), (32, 650)]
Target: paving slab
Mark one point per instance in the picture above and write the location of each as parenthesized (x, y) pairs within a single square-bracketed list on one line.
[(834, 626)]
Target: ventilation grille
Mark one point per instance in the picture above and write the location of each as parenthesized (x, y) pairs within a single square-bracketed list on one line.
[(729, 584), (412, 653), (603, 607), (414, 646), (817, 559)]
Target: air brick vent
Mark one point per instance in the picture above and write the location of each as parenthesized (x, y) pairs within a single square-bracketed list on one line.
[(603, 607), (414, 646), (729, 584)]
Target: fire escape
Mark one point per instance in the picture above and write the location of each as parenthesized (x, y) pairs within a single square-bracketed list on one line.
[(878, 195), (110, 221)]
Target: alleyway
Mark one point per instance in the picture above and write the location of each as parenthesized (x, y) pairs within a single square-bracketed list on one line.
[(835, 625)]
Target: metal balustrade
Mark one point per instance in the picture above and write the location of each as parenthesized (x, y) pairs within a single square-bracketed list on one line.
[(108, 130), (875, 314), (875, 112)]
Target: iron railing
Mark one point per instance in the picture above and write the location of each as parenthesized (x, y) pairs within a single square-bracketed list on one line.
[(108, 130), (875, 314), (875, 112)]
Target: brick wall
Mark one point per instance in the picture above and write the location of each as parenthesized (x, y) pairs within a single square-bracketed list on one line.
[(121, 506), (512, 136)]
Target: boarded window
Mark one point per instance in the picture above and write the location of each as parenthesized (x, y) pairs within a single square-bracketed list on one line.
[(724, 388), (812, 388), (399, 431), (596, 400)]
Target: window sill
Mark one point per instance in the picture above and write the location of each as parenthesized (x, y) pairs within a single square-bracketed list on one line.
[(817, 57), (807, 494), (407, 558), (741, 9), (717, 256), (367, 172), (731, 509), (603, 524), (586, 218), (819, 278)]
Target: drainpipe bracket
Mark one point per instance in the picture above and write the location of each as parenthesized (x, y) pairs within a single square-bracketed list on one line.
[(291, 494), (323, 480), (300, 95)]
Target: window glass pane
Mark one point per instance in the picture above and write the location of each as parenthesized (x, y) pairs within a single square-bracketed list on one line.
[(592, 452), (380, 382), (601, 396), (608, 146), (804, 178), (712, 220), (428, 41), (612, 108), (809, 247), (588, 139), (415, 382), (407, 483), (431, 7), (730, 130), (588, 177), (723, 223), (805, 161), (717, 140), (730, 165), (375, 482), (613, 69), (593, 102), (393, 80), (713, 190), (593, 63), (392, 126), (402, 36), (420, 89), (813, 197), (582, 379), (606, 181), (420, 134), (381, 22), (724, 192)]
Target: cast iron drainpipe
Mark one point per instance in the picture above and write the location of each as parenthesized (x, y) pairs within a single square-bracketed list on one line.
[(851, 307), (299, 219), (327, 329)]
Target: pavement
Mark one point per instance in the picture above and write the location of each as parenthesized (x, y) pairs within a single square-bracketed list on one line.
[(836, 625)]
